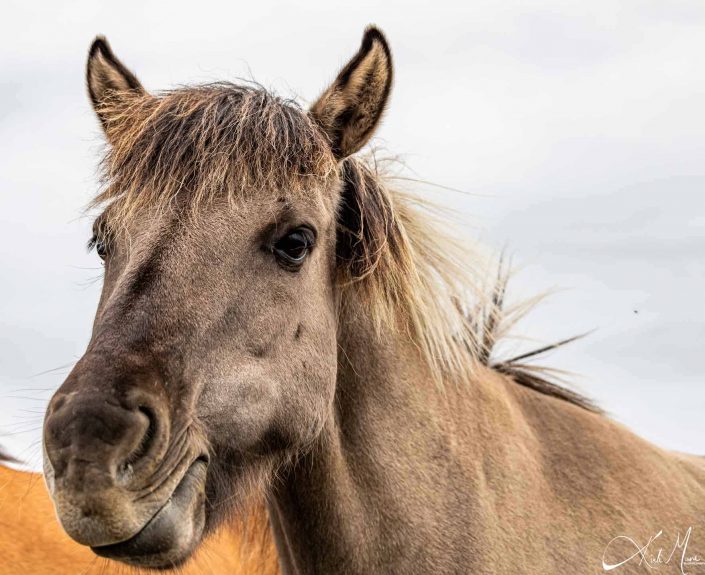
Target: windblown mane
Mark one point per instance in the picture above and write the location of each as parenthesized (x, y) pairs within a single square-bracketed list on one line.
[(193, 143), (411, 271)]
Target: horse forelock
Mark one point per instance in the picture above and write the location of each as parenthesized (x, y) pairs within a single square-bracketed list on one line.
[(198, 142)]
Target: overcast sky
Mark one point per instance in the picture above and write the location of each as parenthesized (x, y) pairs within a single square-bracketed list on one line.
[(575, 129)]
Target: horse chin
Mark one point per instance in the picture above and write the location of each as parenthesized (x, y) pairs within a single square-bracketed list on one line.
[(175, 531)]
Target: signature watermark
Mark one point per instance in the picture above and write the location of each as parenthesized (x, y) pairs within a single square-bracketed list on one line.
[(658, 552)]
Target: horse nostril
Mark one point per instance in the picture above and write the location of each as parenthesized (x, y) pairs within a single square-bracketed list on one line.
[(125, 470)]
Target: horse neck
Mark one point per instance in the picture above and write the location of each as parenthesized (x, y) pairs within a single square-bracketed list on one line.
[(412, 477), (385, 481)]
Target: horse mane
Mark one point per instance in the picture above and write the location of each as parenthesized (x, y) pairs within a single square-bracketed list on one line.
[(418, 274), (394, 252)]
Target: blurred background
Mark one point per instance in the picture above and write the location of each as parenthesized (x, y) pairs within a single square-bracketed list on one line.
[(572, 132)]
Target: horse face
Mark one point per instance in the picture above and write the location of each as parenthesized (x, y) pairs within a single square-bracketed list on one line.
[(213, 356), (213, 352)]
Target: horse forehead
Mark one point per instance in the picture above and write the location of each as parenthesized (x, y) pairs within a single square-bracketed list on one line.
[(260, 208), (178, 236), (160, 246)]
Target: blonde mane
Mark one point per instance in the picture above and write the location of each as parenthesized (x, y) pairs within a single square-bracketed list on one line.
[(195, 142), (190, 144)]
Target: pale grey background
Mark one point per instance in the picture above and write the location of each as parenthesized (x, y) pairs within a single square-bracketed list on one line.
[(577, 130)]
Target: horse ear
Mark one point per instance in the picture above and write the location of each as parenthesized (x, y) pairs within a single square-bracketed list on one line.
[(350, 109), (107, 78)]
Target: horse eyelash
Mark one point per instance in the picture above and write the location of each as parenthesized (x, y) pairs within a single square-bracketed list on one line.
[(92, 242)]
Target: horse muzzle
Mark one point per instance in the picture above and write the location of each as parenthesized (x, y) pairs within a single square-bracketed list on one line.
[(124, 480), (173, 533)]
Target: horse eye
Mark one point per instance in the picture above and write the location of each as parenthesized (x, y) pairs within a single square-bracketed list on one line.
[(292, 249), (100, 245), (101, 249)]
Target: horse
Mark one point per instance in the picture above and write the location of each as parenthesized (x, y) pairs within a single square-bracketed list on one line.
[(281, 316), (33, 541)]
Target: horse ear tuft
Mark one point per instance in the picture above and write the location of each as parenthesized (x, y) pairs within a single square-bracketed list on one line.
[(106, 77), (350, 109)]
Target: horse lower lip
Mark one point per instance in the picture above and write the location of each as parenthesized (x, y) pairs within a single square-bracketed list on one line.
[(174, 531)]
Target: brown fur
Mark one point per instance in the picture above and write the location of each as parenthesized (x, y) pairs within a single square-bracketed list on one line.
[(357, 390)]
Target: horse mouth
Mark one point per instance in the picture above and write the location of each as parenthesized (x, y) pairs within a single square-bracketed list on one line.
[(172, 534)]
